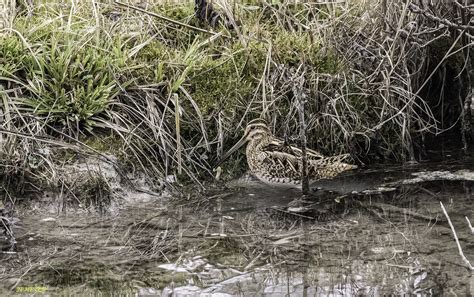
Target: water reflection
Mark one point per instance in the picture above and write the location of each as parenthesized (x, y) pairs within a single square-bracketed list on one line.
[(355, 279), (247, 242)]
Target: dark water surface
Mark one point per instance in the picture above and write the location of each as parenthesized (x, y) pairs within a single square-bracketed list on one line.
[(372, 232)]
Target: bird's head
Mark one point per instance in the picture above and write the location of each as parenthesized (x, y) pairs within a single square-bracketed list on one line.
[(255, 130)]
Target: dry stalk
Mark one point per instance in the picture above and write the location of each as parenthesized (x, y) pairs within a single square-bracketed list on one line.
[(461, 253), (300, 97), (470, 225)]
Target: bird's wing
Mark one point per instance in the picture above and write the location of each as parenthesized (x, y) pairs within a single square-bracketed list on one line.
[(281, 146), (286, 161), (280, 162)]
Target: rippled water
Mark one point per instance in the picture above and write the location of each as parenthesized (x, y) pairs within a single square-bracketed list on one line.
[(372, 232)]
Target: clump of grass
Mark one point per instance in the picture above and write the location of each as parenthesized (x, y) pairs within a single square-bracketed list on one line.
[(69, 87), (25, 169)]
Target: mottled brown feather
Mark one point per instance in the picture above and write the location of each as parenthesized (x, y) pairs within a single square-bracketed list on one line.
[(273, 161)]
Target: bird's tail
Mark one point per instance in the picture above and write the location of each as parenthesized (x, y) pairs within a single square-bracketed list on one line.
[(329, 167)]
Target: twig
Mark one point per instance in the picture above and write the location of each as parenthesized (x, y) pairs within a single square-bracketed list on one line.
[(177, 112), (167, 19), (466, 261), (415, 9), (470, 225), (298, 92), (254, 260)]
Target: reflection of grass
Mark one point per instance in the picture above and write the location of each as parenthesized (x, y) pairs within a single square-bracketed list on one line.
[(226, 251), (95, 274), (105, 277), (122, 252), (71, 274)]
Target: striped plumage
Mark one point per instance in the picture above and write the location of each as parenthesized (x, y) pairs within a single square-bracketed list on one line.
[(274, 162)]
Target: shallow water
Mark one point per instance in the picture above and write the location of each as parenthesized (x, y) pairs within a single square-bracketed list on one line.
[(372, 232)]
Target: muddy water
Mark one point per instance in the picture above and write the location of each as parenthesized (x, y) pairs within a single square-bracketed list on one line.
[(372, 232)]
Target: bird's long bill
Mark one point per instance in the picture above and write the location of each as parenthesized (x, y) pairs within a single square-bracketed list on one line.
[(236, 146)]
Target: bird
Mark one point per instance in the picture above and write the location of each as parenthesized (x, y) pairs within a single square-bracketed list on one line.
[(275, 162)]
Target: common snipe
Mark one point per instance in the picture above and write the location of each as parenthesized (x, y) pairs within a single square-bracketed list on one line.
[(273, 161)]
